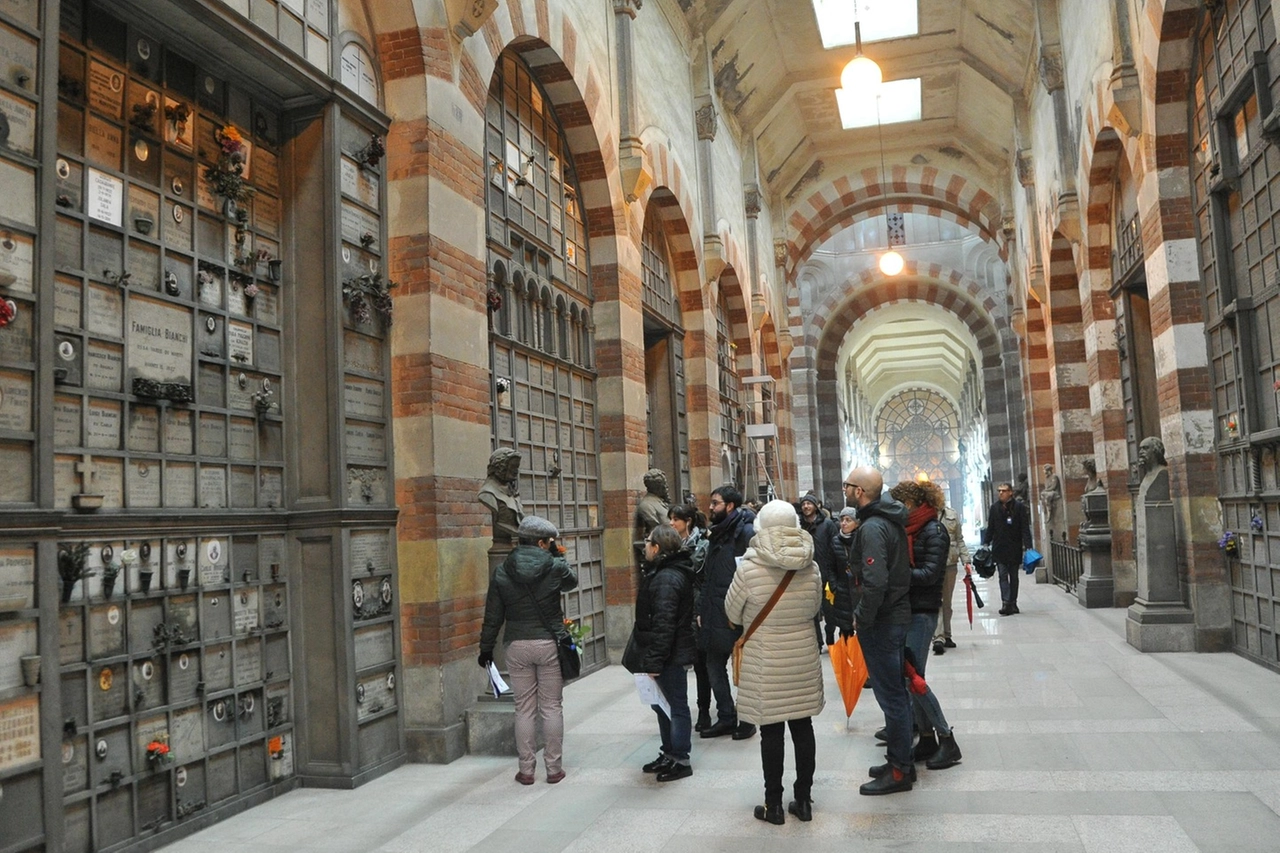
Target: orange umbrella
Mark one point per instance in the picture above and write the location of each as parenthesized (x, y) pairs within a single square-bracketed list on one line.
[(850, 669)]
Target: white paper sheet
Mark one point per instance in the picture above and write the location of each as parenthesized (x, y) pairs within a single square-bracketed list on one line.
[(496, 684), (651, 693)]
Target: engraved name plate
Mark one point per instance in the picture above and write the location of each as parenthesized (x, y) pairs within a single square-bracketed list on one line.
[(177, 431), (106, 631), (213, 487), (363, 398), (15, 400), (186, 739), (374, 646), (236, 303), (210, 288), (248, 667), (239, 338), (144, 428), (66, 303), (366, 442), (270, 487), (75, 765), (212, 559), (105, 310), (17, 577), (109, 480), (266, 305), (106, 89), (102, 429), (213, 436), (369, 548), (362, 352), (266, 214), (184, 674), (179, 484), (105, 144), (241, 487), (70, 635), (245, 610), (19, 732), (242, 442), (159, 340), (66, 422), (104, 365), (268, 173), (356, 223), (21, 116), (16, 253), (143, 483), (374, 696), (65, 480)]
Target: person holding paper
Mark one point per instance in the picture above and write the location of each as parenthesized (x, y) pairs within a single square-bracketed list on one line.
[(662, 645), (777, 591)]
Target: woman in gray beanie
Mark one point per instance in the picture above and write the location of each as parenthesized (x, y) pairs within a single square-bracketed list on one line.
[(525, 595)]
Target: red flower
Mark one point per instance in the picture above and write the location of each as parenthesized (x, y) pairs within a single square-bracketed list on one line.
[(7, 312)]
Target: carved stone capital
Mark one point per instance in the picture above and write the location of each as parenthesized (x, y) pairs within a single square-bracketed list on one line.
[(1050, 67), (713, 259), (751, 200), (627, 7), (466, 17), (1125, 114), (1067, 216), (1026, 167), (779, 252), (637, 175), (707, 121)]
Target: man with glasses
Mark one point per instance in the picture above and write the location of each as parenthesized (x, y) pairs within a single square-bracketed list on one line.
[(882, 573), (1008, 532), (731, 531)]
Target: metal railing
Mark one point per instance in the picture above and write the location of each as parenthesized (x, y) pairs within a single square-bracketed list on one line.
[(1066, 563)]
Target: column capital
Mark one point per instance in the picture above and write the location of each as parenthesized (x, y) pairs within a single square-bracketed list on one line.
[(706, 120), (627, 7), (751, 200)]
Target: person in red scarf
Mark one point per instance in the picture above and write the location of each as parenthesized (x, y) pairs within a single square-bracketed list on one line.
[(928, 547)]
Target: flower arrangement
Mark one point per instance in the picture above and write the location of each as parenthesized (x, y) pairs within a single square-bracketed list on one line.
[(178, 115), (8, 310), (372, 152), (71, 570), (577, 632), (251, 289), (1229, 542), (227, 174), (263, 400), (1255, 522), (1232, 425), (366, 294), (158, 752), (493, 299)]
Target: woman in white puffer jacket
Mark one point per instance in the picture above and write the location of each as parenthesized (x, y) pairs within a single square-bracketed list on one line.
[(781, 677)]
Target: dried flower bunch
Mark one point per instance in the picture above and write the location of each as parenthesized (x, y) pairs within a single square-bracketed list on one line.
[(227, 175), (366, 294)]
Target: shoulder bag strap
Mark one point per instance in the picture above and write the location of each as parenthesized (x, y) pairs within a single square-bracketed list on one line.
[(546, 623), (773, 599)]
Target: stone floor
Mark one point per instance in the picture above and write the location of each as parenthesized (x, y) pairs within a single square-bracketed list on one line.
[(1072, 741)]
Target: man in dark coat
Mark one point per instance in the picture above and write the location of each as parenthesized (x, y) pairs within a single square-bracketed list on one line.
[(819, 525), (1008, 532), (883, 616), (731, 531)]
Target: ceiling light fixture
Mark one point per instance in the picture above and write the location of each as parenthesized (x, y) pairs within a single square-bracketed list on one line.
[(891, 263), (862, 73)]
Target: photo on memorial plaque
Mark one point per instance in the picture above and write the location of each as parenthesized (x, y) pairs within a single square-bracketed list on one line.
[(179, 124), (17, 254)]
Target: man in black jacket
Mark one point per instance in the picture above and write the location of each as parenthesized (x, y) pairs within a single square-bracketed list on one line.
[(819, 525), (1008, 532), (731, 531), (883, 616)]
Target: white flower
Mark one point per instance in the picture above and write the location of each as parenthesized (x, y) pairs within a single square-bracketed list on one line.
[(129, 557)]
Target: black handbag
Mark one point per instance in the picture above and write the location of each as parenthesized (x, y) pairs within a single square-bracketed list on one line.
[(566, 648), (983, 563)]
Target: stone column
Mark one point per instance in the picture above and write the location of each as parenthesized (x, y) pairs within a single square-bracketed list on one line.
[(636, 174)]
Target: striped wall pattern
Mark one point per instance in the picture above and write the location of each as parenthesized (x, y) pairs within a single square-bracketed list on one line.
[(1068, 372)]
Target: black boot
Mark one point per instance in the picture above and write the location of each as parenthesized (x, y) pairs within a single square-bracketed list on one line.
[(771, 813), (802, 809), (882, 735), (720, 729), (881, 769), (890, 783), (948, 754), (926, 747), (939, 648), (744, 731), (704, 720)]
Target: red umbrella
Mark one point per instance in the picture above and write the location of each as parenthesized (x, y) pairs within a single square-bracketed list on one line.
[(970, 593)]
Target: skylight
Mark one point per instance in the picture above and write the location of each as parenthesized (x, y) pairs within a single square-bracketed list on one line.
[(880, 19), (899, 101)]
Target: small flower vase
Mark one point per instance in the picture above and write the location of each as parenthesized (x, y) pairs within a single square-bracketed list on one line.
[(144, 580), (68, 587), (30, 670), (108, 586), (184, 579)]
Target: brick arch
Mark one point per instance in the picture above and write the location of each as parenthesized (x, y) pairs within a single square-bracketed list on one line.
[(662, 201), (843, 201), (670, 180), (770, 352), (737, 299)]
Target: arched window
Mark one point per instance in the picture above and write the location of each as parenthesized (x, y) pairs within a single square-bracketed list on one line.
[(732, 417)]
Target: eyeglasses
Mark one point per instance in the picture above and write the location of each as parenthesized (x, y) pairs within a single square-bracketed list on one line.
[(852, 486), (715, 504)]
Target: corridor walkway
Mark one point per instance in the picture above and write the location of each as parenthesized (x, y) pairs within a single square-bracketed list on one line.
[(1072, 741)]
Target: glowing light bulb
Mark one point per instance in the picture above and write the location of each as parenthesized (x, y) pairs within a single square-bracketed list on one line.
[(891, 263), (861, 76)]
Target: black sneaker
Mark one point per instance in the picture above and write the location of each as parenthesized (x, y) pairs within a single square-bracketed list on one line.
[(744, 731), (947, 642), (939, 648), (675, 771), (657, 765)]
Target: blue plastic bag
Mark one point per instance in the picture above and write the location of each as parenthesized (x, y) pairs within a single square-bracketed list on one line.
[(1031, 559)]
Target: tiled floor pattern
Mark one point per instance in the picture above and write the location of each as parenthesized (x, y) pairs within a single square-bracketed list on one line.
[(1072, 741)]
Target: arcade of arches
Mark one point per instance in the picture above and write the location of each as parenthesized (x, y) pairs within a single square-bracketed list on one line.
[(238, 503)]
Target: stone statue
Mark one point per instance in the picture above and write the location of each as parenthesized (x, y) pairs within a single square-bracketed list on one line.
[(652, 509), (1159, 619), (1051, 503), (1151, 455), (1021, 492), (1091, 476), (501, 494)]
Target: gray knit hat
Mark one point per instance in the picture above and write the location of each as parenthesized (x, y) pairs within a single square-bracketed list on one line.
[(849, 512), (534, 527)]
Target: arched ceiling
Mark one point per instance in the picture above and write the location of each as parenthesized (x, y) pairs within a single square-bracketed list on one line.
[(773, 73)]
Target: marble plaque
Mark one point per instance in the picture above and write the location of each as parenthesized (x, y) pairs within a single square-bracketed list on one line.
[(105, 310), (142, 481), (66, 303), (70, 184), (106, 631), (211, 386), (362, 353), (357, 222), (179, 485), (15, 462), (242, 487), (358, 183), (109, 480), (17, 251), (17, 577), (148, 683), (245, 610), (153, 728), (102, 424), (66, 241), (248, 668), (182, 609), (184, 675), (240, 385), (266, 305), (18, 189), (213, 436), (66, 422), (177, 431), (210, 288), (270, 487), (16, 338), (19, 732), (143, 205), (236, 302), (65, 480), (21, 116), (104, 366), (367, 486), (268, 350), (212, 559), (373, 695), (144, 428), (366, 442), (275, 611), (205, 196), (16, 639), (242, 439), (75, 765), (369, 549), (104, 251), (239, 339), (144, 263), (70, 635), (213, 487), (363, 398), (267, 170), (374, 646), (266, 214), (104, 144), (175, 225), (15, 400), (159, 340), (186, 738), (217, 664), (106, 89)]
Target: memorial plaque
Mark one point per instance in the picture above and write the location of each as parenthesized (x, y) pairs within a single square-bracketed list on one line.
[(15, 462), (16, 639), (369, 551), (153, 800), (182, 611), (366, 486), (109, 480), (106, 89), (104, 145), (180, 134), (75, 765), (66, 242), (245, 611), (217, 663), (17, 577), (363, 398), (184, 676), (18, 189), (266, 305), (70, 184), (266, 214), (179, 485), (275, 612), (66, 482), (15, 340), (148, 730), (358, 183), (21, 117), (148, 683), (243, 439), (106, 631), (104, 366), (144, 208), (17, 251), (144, 428), (270, 487), (242, 487), (104, 253), (15, 400), (362, 353), (144, 263), (240, 387), (244, 558), (159, 340), (214, 565), (374, 646), (105, 310), (236, 302), (75, 697), (213, 436), (248, 668), (102, 429), (70, 635), (357, 223), (205, 196), (177, 431), (213, 487), (19, 732), (268, 350), (108, 691), (175, 222), (212, 342), (142, 481), (373, 696), (210, 288), (239, 338), (267, 171), (186, 740), (366, 442), (211, 386), (66, 303)]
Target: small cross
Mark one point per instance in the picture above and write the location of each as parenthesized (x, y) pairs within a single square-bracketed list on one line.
[(86, 470)]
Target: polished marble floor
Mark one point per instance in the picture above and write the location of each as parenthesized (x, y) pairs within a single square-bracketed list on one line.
[(1072, 741)]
